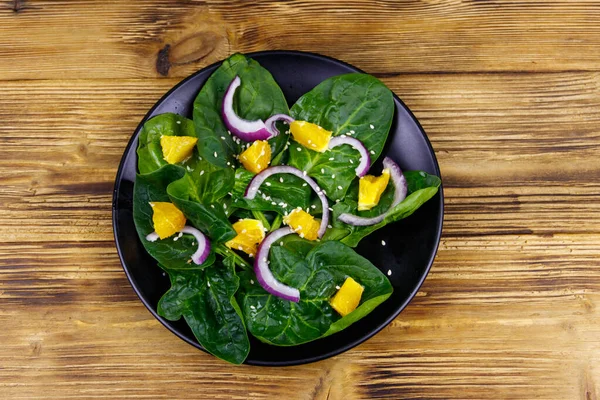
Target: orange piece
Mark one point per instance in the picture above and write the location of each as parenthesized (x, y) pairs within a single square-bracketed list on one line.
[(302, 223), (256, 157), (250, 232), (347, 298), (310, 135), (177, 148), (167, 219), (370, 189)]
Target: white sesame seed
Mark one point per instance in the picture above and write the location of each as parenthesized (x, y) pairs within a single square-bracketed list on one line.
[(179, 122), (281, 243), (351, 162), (273, 203), (215, 154), (371, 126), (201, 172), (343, 136), (252, 307), (212, 206), (313, 206), (383, 242), (298, 148), (337, 287), (268, 183), (309, 141), (389, 272), (284, 205), (332, 176), (304, 184), (331, 158), (339, 187), (372, 152), (208, 283), (222, 137), (301, 235), (352, 131), (225, 206), (330, 209), (322, 170), (228, 163), (304, 173), (252, 282), (329, 226), (244, 231), (281, 180)]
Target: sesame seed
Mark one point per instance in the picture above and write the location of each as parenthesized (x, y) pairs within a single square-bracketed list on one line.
[(273, 203), (284, 205), (304, 184), (352, 131), (281, 180), (201, 172), (343, 136), (212, 206), (252, 307), (179, 122), (329, 226), (330, 209), (349, 133), (298, 148), (244, 231), (252, 281), (225, 206), (313, 206), (331, 158), (322, 170), (372, 152), (222, 137), (228, 163), (337, 287), (389, 272), (371, 126), (208, 283), (309, 141), (281, 243), (339, 187), (268, 183), (215, 154), (313, 145), (304, 173), (351, 162), (383, 242), (301, 235), (332, 176)]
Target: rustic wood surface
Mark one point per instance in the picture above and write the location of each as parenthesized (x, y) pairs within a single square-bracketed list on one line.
[(509, 93)]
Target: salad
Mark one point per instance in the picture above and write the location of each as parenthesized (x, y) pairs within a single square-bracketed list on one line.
[(253, 209)]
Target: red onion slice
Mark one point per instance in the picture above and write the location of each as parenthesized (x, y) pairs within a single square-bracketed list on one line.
[(400, 191), (365, 159), (258, 180), (272, 127), (263, 273), (248, 131), (201, 254)]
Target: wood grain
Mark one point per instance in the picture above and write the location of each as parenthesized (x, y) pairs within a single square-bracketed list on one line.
[(509, 94)]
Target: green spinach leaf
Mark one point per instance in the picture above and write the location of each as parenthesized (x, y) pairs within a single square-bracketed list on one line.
[(281, 193), (421, 187), (206, 301), (258, 97), (172, 253), (150, 155), (355, 104), (316, 270)]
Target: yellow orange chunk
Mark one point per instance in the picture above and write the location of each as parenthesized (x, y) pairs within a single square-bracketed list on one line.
[(177, 148), (310, 135), (302, 223), (256, 157), (347, 298), (250, 232), (370, 189), (167, 219)]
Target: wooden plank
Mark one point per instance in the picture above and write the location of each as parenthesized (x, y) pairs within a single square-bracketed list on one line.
[(96, 39)]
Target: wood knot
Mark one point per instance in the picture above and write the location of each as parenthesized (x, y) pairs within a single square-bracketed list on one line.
[(190, 49)]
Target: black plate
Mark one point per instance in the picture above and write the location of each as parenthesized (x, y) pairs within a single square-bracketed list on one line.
[(411, 244)]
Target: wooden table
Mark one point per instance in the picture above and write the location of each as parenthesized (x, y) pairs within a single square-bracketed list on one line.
[(509, 94)]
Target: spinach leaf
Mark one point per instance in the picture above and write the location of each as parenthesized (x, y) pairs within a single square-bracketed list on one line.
[(421, 187), (258, 97), (341, 104), (281, 193), (206, 301), (315, 270), (150, 155), (174, 254)]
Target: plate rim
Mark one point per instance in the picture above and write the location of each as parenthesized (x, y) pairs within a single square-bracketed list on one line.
[(321, 356)]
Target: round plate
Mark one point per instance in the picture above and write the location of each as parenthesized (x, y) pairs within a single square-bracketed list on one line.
[(411, 244)]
